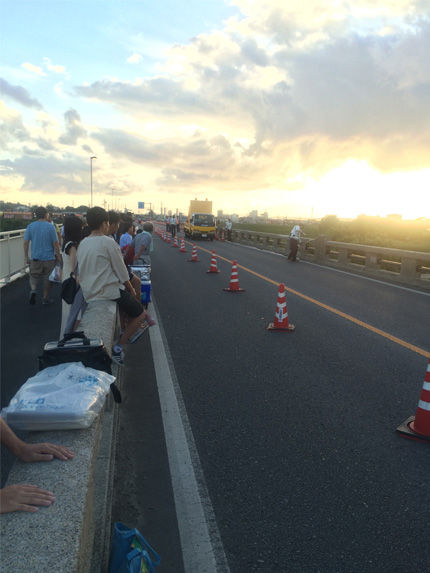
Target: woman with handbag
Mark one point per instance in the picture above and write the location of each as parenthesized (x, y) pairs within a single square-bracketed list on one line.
[(72, 237)]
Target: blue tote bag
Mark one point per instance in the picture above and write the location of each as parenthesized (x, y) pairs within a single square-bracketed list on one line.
[(130, 552)]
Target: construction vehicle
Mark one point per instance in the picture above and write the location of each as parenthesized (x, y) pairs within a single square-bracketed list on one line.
[(200, 223)]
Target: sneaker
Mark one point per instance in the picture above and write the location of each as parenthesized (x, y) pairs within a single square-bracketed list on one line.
[(46, 301), (118, 356), (32, 298), (138, 333)]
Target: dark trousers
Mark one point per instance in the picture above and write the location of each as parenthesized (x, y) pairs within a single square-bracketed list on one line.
[(294, 245)]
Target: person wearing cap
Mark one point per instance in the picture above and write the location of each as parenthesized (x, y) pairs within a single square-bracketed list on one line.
[(295, 235)]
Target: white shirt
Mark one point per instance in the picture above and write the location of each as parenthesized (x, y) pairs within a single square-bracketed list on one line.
[(295, 232), (102, 272)]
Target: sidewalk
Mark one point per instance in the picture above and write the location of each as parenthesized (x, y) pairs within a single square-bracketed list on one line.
[(143, 495)]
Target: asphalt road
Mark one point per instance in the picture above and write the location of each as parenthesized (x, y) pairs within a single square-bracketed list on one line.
[(296, 432), (24, 331)]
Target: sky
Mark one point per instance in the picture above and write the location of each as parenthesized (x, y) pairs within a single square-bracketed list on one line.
[(297, 109)]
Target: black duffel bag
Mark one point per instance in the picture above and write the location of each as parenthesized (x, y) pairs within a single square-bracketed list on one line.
[(77, 347)]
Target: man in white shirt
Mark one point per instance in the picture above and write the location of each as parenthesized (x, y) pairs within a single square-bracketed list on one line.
[(295, 235), (104, 276)]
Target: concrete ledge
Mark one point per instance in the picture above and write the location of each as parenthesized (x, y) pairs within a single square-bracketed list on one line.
[(73, 534)]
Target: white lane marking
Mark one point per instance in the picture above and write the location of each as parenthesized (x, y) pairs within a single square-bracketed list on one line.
[(202, 548)]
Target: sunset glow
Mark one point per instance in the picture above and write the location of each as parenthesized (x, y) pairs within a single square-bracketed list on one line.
[(295, 110)]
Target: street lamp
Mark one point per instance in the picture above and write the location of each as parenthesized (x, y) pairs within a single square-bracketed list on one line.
[(91, 173)]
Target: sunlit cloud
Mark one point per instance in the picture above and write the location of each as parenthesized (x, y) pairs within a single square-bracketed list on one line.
[(135, 59), (33, 69), (275, 102)]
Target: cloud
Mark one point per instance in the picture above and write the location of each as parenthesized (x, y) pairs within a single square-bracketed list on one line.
[(58, 69), (135, 59), (33, 69), (49, 174), (284, 91), (19, 94), (12, 129), (74, 128)]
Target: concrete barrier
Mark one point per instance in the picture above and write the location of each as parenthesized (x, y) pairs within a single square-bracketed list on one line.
[(405, 267), (73, 534)]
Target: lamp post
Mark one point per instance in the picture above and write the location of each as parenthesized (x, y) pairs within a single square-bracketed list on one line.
[(91, 173)]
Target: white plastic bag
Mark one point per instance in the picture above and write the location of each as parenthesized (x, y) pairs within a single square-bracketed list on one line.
[(62, 397), (56, 274)]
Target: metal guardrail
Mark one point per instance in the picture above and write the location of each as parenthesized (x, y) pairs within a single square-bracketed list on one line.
[(12, 260), (408, 267)]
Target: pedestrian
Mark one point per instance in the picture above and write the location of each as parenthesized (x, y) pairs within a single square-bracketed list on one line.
[(113, 225), (72, 238), (104, 276), (295, 236), (45, 252), (126, 237), (173, 226), (228, 228), (143, 245)]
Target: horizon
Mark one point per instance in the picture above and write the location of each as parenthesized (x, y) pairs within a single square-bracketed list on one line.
[(300, 111), (395, 217)]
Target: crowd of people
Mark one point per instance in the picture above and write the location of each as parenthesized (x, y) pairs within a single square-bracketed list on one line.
[(98, 252)]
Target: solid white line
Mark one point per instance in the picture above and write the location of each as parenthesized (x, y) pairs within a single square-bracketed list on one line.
[(202, 549)]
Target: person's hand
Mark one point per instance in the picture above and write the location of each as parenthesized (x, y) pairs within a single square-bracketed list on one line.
[(24, 497), (43, 453)]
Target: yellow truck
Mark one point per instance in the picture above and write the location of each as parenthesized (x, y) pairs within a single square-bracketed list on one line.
[(200, 223)]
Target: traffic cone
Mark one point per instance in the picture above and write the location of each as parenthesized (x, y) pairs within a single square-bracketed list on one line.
[(281, 314), (182, 249), (175, 243), (213, 268), (194, 258), (234, 280), (168, 238), (418, 427)]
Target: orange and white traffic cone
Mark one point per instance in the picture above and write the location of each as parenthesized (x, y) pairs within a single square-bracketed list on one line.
[(168, 238), (194, 258), (281, 314), (175, 243), (418, 427), (182, 249), (213, 268), (234, 280)]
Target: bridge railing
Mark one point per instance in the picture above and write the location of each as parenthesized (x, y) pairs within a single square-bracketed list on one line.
[(409, 267), (12, 260)]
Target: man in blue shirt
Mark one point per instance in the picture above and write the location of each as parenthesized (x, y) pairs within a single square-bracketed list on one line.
[(45, 251)]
